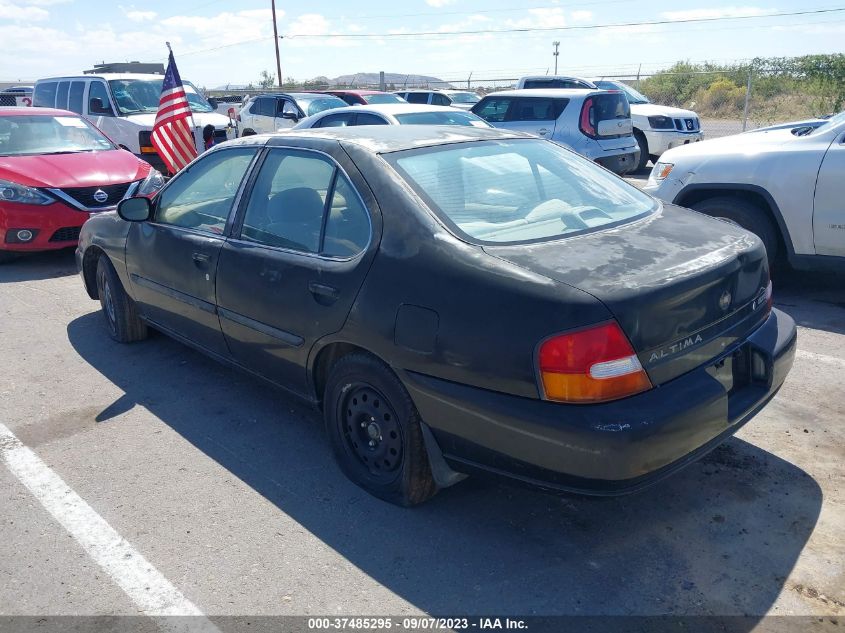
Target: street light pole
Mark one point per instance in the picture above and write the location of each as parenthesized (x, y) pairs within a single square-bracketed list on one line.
[(556, 53), (276, 42)]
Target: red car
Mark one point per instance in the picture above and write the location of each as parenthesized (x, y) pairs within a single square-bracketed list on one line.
[(56, 169), (366, 97)]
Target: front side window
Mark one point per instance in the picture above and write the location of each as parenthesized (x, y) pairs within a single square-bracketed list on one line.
[(518, 190), (288, 107), (288, 206), (417, 97), (33, 134), (97, 90), (334, 120), (365, 118), (440, 100), (201, 198)]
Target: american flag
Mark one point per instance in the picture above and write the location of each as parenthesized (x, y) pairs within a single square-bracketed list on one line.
[(172, 134)]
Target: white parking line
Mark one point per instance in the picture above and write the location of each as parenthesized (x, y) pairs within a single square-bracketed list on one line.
[(144, 584), (820, 358)]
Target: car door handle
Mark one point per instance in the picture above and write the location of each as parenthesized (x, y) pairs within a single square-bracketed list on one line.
[(324, 294), (200, 259)]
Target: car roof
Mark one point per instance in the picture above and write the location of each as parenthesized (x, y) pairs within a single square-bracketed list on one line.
[(392, 108), (380, 139), (416, 90), (357, 92), (547, 92), (109, 76), (30, 111)]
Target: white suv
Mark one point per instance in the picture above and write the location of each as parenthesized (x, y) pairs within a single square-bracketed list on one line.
[(785, 185), (267, 113), (657, 128)]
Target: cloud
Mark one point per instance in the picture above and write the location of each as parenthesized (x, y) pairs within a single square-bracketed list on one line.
[(539, 18), (581, 16), (141, 16), (438, 3), (21, 13), (717, 12)]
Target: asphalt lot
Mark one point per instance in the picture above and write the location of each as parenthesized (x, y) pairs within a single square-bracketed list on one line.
[(227, 488)]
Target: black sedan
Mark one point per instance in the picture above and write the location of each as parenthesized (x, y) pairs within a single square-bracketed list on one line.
[(455, 301)]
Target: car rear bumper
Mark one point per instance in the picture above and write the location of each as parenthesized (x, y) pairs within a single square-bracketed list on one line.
[(54, 226), (603, 449), (621, 163)]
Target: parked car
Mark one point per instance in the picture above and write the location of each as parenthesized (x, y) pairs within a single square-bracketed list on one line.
[(456, 300), (16, 96), (594, 123), (784, 185), (463, 99), (392, 114), (425, 97), (366, 97), (280, 111), (56, 169), (554, 82), (124, 107), (657, 128)]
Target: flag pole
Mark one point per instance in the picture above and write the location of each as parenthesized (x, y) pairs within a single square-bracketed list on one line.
[(193, 124)]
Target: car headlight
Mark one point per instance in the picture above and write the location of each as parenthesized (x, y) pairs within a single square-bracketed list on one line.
[(661, 171), (21, 194), (661, 123), (151, 184)]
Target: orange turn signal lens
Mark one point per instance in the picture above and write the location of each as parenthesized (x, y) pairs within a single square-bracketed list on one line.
[(145, 149), (596, 364)]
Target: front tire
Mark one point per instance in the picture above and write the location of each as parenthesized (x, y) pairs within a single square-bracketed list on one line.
[(374, 430), (747, 215), (121, 314)]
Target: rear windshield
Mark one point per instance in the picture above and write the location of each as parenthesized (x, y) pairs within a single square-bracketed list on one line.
[(383, 98), (517, 191), (611, 105), (27, 135), (441, 118), (464, 97)]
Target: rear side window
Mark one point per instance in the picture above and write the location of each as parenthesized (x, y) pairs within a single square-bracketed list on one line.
[(365, 118), (417, 97), (493, 109), (75, 96), (334, 120), (263, 106), (45, 95), (537, 109), (348, 224), (61, 94)]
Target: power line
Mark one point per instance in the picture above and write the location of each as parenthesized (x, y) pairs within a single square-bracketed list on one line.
[(574, 27)]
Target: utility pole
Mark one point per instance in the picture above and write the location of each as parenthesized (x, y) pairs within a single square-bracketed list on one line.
[(276, 42), (556, 53)]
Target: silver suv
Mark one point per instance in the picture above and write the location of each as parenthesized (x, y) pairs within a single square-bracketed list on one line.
[(594, 123)]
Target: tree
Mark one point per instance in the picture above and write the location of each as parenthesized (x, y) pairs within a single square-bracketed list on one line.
[(267, 80)]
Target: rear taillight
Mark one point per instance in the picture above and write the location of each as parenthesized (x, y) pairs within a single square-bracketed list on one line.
[(586, 121), (596, 364)]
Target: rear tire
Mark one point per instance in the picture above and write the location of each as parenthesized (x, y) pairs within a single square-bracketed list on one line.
[(747, 215), (121, 314), (643, 145), (374, 430)]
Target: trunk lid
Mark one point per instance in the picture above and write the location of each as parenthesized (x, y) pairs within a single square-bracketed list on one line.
[(684, 287)]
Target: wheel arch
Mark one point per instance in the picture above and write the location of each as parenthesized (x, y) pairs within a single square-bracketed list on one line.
[(754, 194), (325, 358), (89, 269)]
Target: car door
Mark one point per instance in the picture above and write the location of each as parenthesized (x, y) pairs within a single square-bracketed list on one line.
[(534, 115), (292, 269), (172, 259), (285, 110), (829, 202)]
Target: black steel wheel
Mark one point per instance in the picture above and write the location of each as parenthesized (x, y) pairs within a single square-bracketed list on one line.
[(122, 319), (374, 430)]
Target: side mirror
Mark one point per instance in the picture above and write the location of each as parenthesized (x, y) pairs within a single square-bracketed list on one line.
[(95, 106), (135, 209), (293, 116)]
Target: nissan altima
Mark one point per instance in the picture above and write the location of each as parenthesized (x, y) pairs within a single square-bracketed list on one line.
[(455, 300)]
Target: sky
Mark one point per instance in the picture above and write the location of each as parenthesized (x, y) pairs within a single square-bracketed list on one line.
[(222, 42)]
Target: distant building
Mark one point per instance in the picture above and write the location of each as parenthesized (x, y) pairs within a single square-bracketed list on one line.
[(126, 67)]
